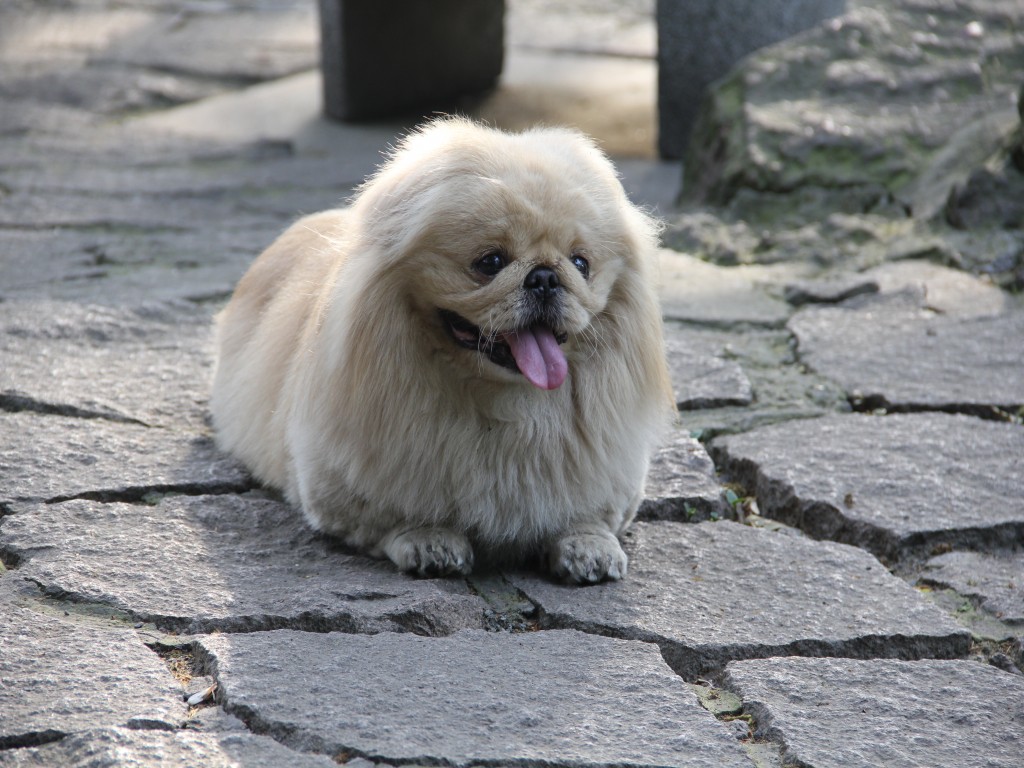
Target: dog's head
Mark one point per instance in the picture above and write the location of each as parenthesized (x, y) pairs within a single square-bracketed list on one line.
[(508, 245)]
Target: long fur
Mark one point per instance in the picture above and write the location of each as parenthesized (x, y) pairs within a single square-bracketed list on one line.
[(337, 383)]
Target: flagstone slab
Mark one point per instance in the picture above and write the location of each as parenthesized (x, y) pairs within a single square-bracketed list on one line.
[(893, 484), (845, 713), (995, 580), (899, 356), (150, 364), (60, 677), (701, 376), (710, 593), (682, 483), (47, 457), (696, 291), (227, 563), (552, 698), (120, 747)]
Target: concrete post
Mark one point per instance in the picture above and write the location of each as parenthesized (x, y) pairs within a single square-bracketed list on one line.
[(700, 40), (387, 57)]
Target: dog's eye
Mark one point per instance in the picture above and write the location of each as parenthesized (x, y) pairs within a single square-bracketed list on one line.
[(490, 263), (581, 264)]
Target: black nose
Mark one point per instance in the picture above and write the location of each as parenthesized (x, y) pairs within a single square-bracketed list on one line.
[(543, 283)]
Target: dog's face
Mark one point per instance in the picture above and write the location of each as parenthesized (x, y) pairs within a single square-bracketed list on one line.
[(518, 244)]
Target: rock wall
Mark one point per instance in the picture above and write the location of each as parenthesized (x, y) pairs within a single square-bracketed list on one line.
[(903, 112)]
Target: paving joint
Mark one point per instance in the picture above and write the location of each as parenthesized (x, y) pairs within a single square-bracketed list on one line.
[(149, 495), (15, 402), (878, 405)]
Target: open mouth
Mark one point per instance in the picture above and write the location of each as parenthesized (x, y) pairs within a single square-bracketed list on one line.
[(533, 351)]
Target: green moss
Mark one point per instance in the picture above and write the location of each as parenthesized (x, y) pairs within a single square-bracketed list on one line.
[(967, 613), (722, 704)]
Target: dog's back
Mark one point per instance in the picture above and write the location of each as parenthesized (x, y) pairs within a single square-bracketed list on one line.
[(257, 334)]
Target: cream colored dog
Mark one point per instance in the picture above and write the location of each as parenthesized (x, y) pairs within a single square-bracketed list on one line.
[(469, 356)]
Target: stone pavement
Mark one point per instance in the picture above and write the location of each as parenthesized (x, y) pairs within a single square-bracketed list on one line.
[(829, 566)]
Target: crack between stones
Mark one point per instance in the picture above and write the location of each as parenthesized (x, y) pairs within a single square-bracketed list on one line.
[(825, 522), (31, 739), (994, 640), (509, 609), (727, 707), (227, 80), (737, 326), (15, 402), (762, 185), (9, 560), (762, 731), (879, 405), (205, 663), (778, 501), (137, 494), (694, 664), (416, 619)]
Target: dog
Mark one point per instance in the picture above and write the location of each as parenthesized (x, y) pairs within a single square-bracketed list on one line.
[(469, 357)]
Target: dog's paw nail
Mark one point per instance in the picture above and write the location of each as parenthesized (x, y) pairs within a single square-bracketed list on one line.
[(588, 558), (431, 552)]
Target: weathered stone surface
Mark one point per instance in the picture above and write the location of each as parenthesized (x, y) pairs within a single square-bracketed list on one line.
[(117, 264), (996, 581), (231, 563), (699, 42), (892, 484), (116, 60), (681, 484), (702, 593), (781, 388), (45, 457), (947, 291), (897, 118), (830, 291), (254, 43), (111, 216), (990, 197), (696, 291), (702, 378), (708, 236), (980, 142), (78, 209), (842, 713), (809, 229), (120, 747), (60, 677), (562, 698), (898, 355), (806, 112), (151, 364)]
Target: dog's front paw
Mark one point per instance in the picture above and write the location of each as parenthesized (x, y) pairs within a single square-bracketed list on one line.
[(429, 551), (587, 558)]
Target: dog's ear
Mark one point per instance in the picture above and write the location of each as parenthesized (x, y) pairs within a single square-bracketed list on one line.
[(399, 202), (639, 314)]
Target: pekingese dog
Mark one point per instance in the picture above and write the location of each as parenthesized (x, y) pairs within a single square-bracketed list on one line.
[(469, 357)]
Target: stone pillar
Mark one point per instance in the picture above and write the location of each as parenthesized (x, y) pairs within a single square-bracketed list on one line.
[(387, 57), (700, 40)]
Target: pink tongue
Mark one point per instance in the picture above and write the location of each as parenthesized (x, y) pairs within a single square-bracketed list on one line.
[(538, 356)]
